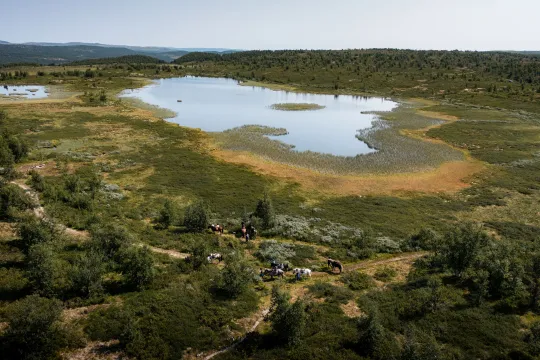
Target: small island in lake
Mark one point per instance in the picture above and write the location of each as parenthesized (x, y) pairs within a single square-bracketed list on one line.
[(296, 106)]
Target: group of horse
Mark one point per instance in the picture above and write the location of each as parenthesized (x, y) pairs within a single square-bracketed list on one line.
[(215, 256), (279, 270)]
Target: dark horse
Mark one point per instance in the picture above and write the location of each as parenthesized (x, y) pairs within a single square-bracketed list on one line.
[(275, 265), (335, 264), (216, 228)]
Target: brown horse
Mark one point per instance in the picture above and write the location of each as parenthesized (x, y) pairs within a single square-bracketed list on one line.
[(335, 264)]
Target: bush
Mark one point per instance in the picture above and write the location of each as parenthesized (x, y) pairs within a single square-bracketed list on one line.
[(288, 320), (265, 211), (36, 181), (110, 238), (34, 331), (196, 217), (12, 197), (272, 250), (47, 273), (138, 267), (385, 274), (356, 280), (425, 239), (86, 274), (235, 277), (169, 214), (34, 231)]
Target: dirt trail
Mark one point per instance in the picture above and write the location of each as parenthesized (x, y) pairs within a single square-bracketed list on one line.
[(373, 263), (172, 253), (39, 211), (261, 318)]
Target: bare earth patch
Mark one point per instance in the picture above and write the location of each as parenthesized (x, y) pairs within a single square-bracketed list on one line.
[(351, 309)]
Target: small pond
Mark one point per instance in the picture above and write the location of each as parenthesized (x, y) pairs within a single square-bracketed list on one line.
[(214, 104), (24, 91)]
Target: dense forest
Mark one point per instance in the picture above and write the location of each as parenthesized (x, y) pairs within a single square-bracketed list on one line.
[(489, 78), (128, 59)]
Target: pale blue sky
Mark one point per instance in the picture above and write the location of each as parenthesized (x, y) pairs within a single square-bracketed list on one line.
[(278, 24)]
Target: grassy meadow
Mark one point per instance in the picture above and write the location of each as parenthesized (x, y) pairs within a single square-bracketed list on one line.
[(104, 208)]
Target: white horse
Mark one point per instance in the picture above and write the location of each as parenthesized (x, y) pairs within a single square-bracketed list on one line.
[(215, 256), (302, 272)]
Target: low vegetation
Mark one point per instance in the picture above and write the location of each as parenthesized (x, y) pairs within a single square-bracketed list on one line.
[(105, 210), (296, 106)]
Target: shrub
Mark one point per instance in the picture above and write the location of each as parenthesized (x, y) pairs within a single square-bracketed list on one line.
[(36, 181), (235, 277), (34, 331), (461, 246), (34, 231), (12, 283), (86, 274), (265, 211), (272, 250), (196, 217), (138, 267), (110, 238), (47, 273), (356, 280), (169, 214), (12, 197), (385, 274), (425, 239), (387, 245), (288, 320)]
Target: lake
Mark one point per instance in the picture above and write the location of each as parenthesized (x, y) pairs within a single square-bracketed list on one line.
[(24, 91), (214, 104)]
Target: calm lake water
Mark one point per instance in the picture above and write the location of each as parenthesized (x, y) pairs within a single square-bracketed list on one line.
[(219, 104), (25, 91)]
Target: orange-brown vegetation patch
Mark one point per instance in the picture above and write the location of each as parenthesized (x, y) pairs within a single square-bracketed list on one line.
[(450, 177)]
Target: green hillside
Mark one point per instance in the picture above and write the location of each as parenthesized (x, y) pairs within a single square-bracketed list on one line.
[(127, 59)]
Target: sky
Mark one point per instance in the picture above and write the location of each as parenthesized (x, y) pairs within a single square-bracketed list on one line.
[(278, 24)]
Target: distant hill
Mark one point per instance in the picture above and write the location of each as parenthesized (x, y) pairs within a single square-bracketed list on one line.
[(128, 59), (14, 53), (198, 56), (169, 56), (61, 53)]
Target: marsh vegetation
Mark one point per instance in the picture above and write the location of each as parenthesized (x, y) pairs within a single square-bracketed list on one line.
[(296, 106)]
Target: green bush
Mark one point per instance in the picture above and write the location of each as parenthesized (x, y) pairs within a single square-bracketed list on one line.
[(34, 231), (13, 283), (36, 181), (288, 320), (34, 330), (236, 276), (86, 274), (265, 211), (356, 280), (168, 215), (46, 271), (110, 238), (12, 197), (138, 267), (196, 217)]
